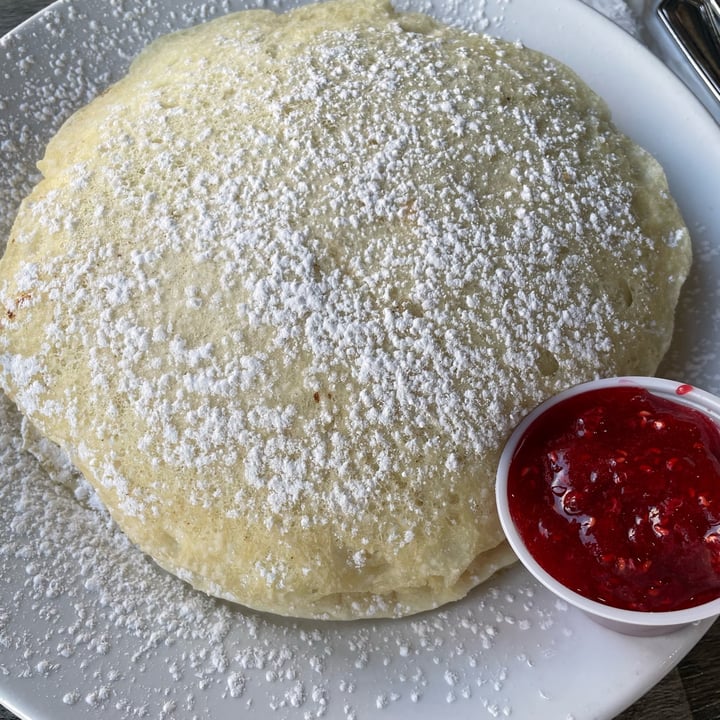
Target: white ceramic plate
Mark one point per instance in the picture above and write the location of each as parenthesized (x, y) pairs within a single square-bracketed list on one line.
[(89, 627)]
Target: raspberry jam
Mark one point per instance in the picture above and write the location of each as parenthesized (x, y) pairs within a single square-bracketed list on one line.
[(616, 493)]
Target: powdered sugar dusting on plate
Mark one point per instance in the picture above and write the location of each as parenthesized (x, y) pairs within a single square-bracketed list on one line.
[(111, 632), (91, 596)]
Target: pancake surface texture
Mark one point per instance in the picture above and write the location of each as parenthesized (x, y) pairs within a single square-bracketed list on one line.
[(284, 290)]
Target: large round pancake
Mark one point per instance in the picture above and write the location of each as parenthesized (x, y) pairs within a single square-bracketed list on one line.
[(284, 290)]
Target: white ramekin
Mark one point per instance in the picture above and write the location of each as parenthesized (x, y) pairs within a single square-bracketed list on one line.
[(627, 621)]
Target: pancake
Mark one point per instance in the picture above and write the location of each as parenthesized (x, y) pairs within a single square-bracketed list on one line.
[(284, 290)]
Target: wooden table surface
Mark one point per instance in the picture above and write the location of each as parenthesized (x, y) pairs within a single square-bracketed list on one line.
[(689, 692)]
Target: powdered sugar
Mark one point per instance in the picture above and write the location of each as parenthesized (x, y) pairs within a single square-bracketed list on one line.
[(108, 622), (369, 329), (620, 12)]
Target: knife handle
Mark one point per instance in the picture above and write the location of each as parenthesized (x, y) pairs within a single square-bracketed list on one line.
[(695, 27)]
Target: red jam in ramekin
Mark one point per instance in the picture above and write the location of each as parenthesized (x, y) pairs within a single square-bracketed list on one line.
[(615, 493)]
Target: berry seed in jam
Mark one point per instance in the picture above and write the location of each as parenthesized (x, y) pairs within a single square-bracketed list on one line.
[(616, 493)]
